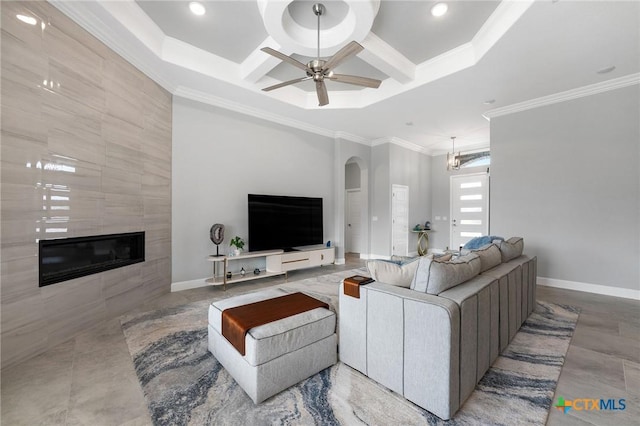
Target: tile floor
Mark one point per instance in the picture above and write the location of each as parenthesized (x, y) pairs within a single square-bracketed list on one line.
[(90, 380)]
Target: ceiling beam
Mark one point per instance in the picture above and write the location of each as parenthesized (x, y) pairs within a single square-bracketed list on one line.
[(379, 54), (258, 63)]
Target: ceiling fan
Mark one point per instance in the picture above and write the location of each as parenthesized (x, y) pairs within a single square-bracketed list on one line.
[(318, 70)]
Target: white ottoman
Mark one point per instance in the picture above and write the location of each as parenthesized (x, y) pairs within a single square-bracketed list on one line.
[(278, 354)]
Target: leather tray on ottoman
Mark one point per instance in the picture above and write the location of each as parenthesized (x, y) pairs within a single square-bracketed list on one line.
[(278, 354)]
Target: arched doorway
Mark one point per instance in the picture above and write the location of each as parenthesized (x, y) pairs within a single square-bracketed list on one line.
[(356, 201)]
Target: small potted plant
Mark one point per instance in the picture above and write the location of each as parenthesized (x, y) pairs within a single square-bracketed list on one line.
[(238, 243)]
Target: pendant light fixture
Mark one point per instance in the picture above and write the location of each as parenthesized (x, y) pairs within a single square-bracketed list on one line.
[(453, 157)]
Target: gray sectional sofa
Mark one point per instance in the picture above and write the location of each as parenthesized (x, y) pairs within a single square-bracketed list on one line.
[(433, 339)]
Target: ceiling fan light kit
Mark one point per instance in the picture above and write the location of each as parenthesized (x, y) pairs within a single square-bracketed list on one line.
[(318, 69)]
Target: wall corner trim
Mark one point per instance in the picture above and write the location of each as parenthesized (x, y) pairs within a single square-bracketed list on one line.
[(580, 92), (626, 293)]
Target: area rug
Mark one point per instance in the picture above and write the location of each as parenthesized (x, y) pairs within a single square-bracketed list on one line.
[(185, 385)]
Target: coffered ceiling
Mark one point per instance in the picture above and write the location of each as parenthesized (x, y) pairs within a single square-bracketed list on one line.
[(441, 76)]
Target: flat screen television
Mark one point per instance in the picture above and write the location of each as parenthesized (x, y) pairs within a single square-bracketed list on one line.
[(283, 222)]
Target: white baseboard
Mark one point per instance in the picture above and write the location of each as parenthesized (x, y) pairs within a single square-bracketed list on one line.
[(186, 285), (627, 293)]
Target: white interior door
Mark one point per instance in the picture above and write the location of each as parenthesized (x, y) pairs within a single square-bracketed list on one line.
[(400, 220), (469, 208), (353, 226)]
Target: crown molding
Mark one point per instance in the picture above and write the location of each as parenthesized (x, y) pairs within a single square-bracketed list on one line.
[(469, 149), (351, 137), (401, 142), (580, 92), (93, 17), (146, 46)]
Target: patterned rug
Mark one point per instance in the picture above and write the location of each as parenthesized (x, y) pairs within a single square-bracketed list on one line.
[(185, 385)]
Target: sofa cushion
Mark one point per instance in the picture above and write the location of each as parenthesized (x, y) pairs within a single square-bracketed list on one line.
[(399, 274), (490, 256), (511, 248), (436, 275)]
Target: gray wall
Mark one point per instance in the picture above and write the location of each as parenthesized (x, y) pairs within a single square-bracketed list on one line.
[(352, 176), (412, 169), (110, 126), (380, 196), (347, 151), (393, 164), (218, 158), (565, 177), (440, 199)]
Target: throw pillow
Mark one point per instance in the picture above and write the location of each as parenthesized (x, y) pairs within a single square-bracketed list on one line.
[(490, 256), (428, 280), (445, 275), (511, 248), (477, 242), (393, 273)]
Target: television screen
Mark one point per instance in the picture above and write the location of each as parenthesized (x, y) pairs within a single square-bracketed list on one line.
[(281, 222)]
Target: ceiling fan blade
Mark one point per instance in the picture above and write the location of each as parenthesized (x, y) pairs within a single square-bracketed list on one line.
[(284, 58), (323, 96), (350, 49), (354, 79), (286, 83)]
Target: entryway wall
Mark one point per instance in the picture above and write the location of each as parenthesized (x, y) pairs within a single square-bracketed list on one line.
[(354, 220), (440, 180), (392, 164), (349, 152)]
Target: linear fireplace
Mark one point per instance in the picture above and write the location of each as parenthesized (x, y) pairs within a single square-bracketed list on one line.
[(67, 258)]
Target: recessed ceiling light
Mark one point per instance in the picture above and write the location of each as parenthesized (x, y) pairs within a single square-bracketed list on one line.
[(489, 101), (27, 19), (197, 8), (439, 9), (606, 70), (409, 123)]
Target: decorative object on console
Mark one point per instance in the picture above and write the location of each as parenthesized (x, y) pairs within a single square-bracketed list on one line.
[(256, 271), (453, 158), (238, 243), (423, 239), (242, 271), (216, 233), (229, 275)]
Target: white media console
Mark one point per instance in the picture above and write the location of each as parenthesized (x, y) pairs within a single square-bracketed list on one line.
[(277, 262)]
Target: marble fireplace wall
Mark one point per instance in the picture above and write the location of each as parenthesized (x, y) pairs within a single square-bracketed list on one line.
[(85, 150)]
